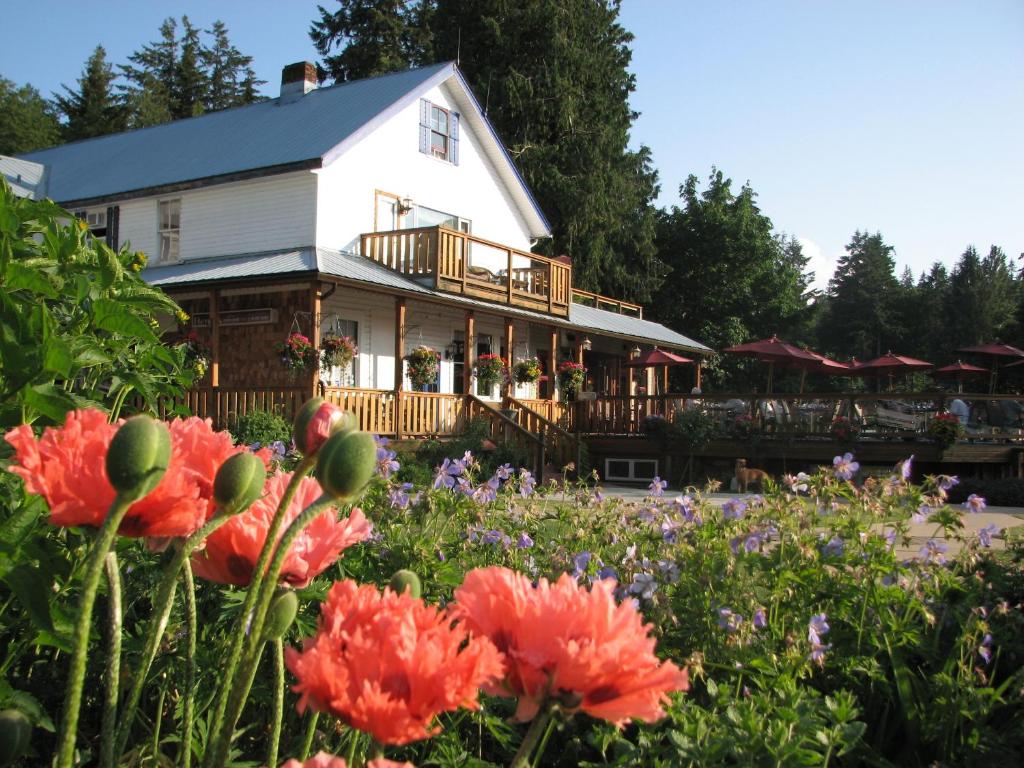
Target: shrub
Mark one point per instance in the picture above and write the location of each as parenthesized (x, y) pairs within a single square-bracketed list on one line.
[(261, 427)]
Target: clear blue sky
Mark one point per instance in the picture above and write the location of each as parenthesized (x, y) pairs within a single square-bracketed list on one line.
[(902, 116)]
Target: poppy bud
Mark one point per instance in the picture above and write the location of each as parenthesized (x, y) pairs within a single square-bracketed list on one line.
[(15, 733), (280, 615), (316, 421), (239, 482), (406, 581), (346, 463), (138, 456)]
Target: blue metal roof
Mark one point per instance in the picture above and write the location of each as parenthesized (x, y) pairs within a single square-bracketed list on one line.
[(355, 267), (262, 135)]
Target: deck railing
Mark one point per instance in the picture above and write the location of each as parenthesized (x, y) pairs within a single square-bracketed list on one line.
[(226, 404), (458, 262), (562, 447), (604, 302)]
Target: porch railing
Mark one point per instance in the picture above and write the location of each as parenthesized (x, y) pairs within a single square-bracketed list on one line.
[(506, 429), (401, 414), (457, 262), (562, 447), (225, 404)]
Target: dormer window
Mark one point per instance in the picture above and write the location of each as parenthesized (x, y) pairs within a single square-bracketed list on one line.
[(170, 231), (439, 132)]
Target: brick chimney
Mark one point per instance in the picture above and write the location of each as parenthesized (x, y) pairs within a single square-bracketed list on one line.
[(297, 80)]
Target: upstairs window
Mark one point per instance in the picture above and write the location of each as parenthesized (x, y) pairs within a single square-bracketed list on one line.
[(170, 231), (439, 132), (102, 223)]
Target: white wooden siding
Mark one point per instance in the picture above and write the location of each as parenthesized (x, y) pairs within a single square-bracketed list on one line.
[(389, 160)]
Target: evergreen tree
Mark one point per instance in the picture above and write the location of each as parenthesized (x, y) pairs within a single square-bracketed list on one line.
[(553, 78), (27, 120), (149, 96), (732, 280), (862, 297), (92, 109), (190, 79), (231, 79), (982, 298)]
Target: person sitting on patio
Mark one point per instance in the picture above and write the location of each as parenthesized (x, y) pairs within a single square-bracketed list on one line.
[(1012, 412), (693, 403), (959, 408)]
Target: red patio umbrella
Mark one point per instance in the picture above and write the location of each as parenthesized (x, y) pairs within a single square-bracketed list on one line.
[(995, 350), (960, 370), (657, 357), (890, 364), (823, 365), (773, 351)]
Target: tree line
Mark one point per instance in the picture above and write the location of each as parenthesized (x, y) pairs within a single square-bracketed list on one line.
[(185, 72), (553, 77)]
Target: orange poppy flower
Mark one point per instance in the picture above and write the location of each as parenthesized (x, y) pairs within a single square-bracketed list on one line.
[(67, 467), (232, 550), (388, 664), (565, 642), (323, 760)]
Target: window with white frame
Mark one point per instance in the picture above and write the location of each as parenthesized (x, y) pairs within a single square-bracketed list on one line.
[(169, 226), (439, 132)]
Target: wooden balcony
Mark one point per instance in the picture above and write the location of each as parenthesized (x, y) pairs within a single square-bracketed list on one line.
[(460, 263), (604, 302)]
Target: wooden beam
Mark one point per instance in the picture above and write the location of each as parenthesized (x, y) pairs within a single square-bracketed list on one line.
[(314, 309), (553, 364), (469, 355), (214, 338), (697, 373), (400, 317), (507, 387)]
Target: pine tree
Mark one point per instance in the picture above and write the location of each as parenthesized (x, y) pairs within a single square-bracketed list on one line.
[(92, 109), (189, 93), (231, 79), (981, 298), (149, 96), (27, 120), (372, 37)]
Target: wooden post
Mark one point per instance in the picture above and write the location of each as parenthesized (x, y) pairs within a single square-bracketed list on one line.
[(214, 338), (509, 276), (553, 365), (314, 309), (507, 387), (400, 314), (469, 356), (697, 374)]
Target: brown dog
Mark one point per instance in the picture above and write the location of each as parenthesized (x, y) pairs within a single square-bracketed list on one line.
[(744, 476)]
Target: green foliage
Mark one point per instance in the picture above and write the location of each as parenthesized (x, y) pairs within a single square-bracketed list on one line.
[(261, 427), (27, 121), (78, 326), (92, 109), (691, 430)]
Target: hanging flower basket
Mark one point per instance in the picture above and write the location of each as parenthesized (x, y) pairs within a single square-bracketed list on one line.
[(298, 354), (526, 371), (571, 377), (844, 430), (945, 428), (336, 352), (197, 356), (423, 364), (489, 370)]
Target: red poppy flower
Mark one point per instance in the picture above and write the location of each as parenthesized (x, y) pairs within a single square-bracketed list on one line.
[(323, 760), (388, 664), (566, 642), (232, 550), (67, 467)]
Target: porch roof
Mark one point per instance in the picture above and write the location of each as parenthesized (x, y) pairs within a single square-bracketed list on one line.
[(327, 263)]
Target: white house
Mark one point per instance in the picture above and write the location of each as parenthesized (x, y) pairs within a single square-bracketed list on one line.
[(384, 209)]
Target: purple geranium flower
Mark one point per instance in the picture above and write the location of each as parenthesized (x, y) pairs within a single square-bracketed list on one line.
[(985, 534), (527, 482), (733, 509), (580, 563), (524, 541), (446, 474), (760, 619), (985, 649), (974, 503), (644, 585), (399, 497), (657, 487), (932, 551), (906, 468), (845, 467), (834, 547), (728, 620)]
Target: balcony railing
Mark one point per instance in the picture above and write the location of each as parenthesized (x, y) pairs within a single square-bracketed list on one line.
[(604, 302), (457, 262)]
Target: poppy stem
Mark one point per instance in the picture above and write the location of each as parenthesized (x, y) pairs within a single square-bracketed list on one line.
[(255, 583), (188, 705), (246, 670), (65, 756), (307, 742), (113, 673), (161, 613), (275, 732), (533, 735)]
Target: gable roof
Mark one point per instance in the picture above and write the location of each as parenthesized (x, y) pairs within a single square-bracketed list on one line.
[(27, 179), (357, 269), (272, 136)]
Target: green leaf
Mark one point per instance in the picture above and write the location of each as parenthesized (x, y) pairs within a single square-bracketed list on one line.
[(53, 402), (20, 277), (112, 316), (33, 593), (57, 357)]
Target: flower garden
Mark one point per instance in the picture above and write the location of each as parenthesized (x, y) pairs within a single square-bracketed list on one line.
[(177, 599)]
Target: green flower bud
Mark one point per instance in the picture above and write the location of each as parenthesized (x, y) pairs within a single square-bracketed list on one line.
[(280, 615), (138, 456), (316, 421), (15, 734), (406, 581), (346, 463), (239, 482)]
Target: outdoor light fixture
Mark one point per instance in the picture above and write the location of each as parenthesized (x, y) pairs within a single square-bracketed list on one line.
[(635, 352), (453, 349), (587, 344), (404, 205)]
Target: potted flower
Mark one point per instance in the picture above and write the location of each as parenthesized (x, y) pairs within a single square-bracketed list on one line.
[(945, 428), (336, 351), (197, 356), (844, 430), (423, 365), (298, 353), (489, 370), (571, 377), (526, 371), (742, 426)]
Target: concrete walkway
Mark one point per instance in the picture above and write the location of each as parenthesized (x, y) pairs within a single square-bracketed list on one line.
[(1000, 517)]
